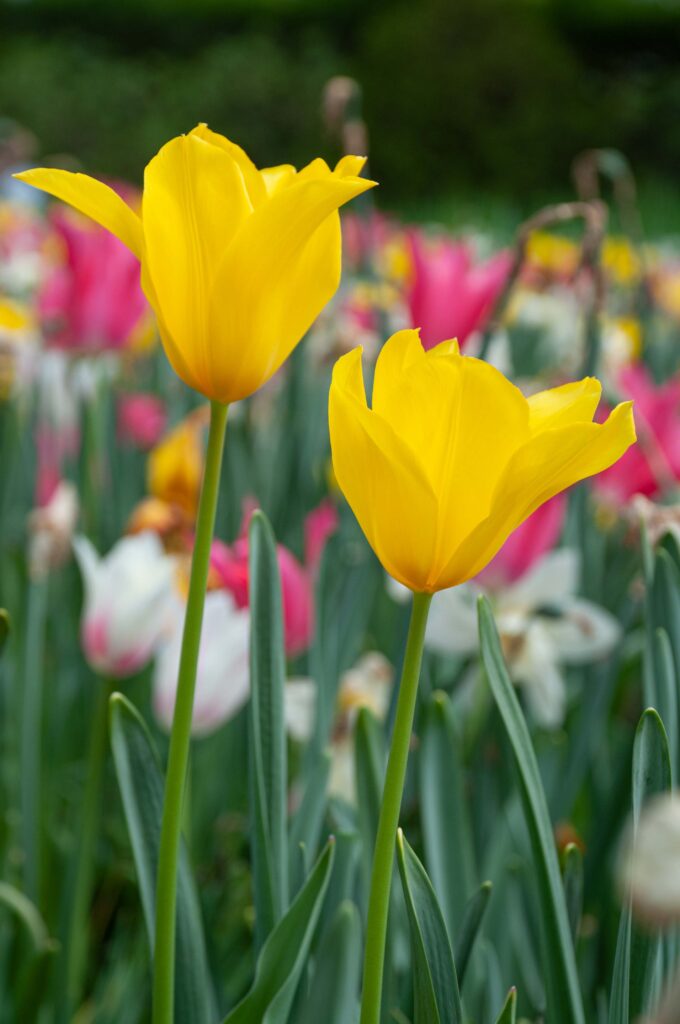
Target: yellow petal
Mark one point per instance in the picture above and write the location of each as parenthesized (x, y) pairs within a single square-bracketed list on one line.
[(195, 198), (278, 273), (571, 403), (349, 166), (252, 177), (93, 198), (399, 352), (549, 463), (276, 178), (381, 479)]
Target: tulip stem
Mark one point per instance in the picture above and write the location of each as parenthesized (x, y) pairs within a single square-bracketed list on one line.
[(180, 736), (383, 856)]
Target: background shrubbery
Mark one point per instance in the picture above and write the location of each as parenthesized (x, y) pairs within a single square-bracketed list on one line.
[(498, 94)]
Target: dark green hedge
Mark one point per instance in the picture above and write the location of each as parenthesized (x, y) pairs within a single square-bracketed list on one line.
[(458, 93)]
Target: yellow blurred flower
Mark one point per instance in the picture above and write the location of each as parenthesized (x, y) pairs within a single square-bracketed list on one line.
[(175, 466), (451, 457), (552, 253), (237, 262), (620, 260)]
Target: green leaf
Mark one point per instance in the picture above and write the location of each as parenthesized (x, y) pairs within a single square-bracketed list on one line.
[(651, 761), (5, 626), (565, 1003), (509, 1011), (333, 993), (305, 826), (369, 751), (469, 928), (30, 979), (268, 768), (572, 877), (435, 986), (285, 952), (446, 829), (140, 781), (652, 774), (666, 689)]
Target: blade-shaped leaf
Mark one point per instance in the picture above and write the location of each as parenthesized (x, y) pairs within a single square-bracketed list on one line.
[(5, 626), (436, 995), (652, 774), (469, 928), (572, 877), (446, 829), (334, 988), (141, 788), (565, 1002), (267, 776), (285, 952), (509, 1012), (370, 768), (305, 826)]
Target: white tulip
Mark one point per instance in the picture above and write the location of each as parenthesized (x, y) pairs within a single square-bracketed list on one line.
[(650, 870), (223, 677), (128, 600)]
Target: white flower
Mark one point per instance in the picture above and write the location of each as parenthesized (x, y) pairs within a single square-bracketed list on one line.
[(542, 625), (368, 684), (223, 677), (128, 599), (51, 530), (650, 869)]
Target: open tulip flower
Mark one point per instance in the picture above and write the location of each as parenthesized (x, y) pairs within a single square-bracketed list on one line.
[(451, 457), (128, 601), (236, 262)]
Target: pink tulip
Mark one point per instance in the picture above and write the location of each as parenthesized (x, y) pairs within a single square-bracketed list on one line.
[(321, 523), (141, 420), (651, 466), (527, 545), (449, 295), (94, 300), (229, 562)]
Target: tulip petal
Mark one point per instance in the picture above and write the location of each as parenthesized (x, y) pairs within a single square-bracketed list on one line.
[(254, 181), (282, 268), (379, 474), (93, 198), (195, 198), (570, 403), (276, 178), (349, 166), (399, 352), (548, 463)]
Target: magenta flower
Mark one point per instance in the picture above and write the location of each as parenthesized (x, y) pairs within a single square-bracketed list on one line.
[(527, 545), (142, 420), (93, 301), (449, 295), (652, 466)]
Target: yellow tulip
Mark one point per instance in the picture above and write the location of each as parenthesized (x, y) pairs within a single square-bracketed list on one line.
[(451, 457), (237, 262), (175, 466)]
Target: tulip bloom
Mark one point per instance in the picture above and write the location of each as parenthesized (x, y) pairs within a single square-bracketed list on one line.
[(141, 419), (653, 466), (128, 601), (175, 466), (449, 296), (92, 301), (237, 263), (223, 678), (451, 458)]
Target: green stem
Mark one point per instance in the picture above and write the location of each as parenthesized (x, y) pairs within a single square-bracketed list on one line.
[(76, 946), (180, 737), (383, 857), (31, 730)]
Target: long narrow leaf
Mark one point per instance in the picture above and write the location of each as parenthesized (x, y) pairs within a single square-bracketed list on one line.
[(285, 952), (268, 768), (334, 988), (436, 995), (469, 928), (509, 1012), (141, 788), (565, 1003), (446, 830)]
